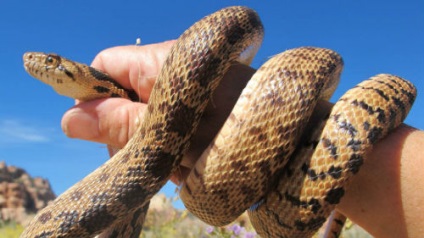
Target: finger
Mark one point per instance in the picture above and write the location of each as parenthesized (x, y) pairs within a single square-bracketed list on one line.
[(134, 67), (109, 121)]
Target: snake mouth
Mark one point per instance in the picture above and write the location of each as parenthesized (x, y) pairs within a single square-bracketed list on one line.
[(30, 63), (27, 59)]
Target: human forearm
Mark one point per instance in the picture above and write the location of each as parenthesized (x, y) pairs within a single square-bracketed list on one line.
[(386, 196)]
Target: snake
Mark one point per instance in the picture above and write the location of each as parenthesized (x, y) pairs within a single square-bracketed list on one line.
[(266, 158)]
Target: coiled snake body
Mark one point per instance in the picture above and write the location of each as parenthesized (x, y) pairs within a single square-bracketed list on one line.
[(254, 160)]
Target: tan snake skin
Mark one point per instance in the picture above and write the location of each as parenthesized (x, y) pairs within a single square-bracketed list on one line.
[(360, 118), (256, 158), (260, 134)]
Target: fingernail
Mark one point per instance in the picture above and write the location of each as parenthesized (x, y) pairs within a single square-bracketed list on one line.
[(80, 124)]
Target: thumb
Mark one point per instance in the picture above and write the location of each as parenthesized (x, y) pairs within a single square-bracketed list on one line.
[(109, 121)]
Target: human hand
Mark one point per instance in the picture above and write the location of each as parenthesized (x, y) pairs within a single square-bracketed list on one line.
[(114, 120)]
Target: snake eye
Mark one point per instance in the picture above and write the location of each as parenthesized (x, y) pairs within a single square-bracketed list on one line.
[(50, 60)]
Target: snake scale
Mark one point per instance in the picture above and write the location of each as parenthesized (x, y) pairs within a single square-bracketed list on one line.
[(259, 160)]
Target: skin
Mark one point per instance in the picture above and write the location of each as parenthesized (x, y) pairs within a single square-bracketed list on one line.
[(384, 197)]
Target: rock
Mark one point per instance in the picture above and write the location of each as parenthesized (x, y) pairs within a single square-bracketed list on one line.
[(21, 195)]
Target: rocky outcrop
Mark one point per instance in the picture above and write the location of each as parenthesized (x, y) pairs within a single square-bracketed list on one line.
[(20, 194)]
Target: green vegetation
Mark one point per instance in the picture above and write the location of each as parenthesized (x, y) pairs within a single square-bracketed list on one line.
[(10, 229)]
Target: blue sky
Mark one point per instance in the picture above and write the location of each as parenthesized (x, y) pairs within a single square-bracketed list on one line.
[(372, 36)]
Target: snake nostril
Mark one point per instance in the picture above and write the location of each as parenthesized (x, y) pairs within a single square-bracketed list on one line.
[(28, 56)]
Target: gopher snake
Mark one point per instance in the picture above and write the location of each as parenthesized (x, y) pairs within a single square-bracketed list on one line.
[(254, 160)]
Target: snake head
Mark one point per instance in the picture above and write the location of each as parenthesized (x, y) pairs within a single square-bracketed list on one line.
[(49, 69), (73, 79)]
